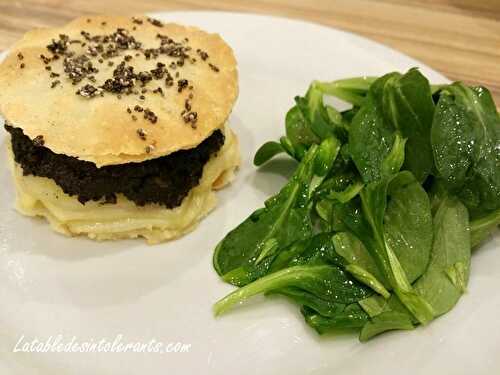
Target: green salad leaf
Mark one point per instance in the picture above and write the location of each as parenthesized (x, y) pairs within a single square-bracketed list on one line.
[(324, 281), (448, 273), (407, 104), (285, 217), (390, 246), (370, 140), (267, 151), (386, 321), (483, 227), (348, 317), (396, 106), (466, 143), (374, 230)]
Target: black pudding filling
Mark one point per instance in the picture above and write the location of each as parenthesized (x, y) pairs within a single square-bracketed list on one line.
[(165, 180)]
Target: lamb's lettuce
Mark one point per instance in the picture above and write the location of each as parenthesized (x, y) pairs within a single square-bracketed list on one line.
[(374, 230)]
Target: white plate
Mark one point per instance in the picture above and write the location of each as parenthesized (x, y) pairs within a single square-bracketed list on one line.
[(52, 285)]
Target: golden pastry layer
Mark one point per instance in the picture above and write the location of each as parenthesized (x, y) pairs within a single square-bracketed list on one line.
[(66, 85)]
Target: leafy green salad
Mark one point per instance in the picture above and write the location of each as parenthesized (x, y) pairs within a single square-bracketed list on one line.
[(375, 228)]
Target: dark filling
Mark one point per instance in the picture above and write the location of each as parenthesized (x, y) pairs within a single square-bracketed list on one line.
[(165, 180)]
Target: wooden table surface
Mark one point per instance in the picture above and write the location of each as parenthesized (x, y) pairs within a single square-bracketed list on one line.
[(460, 38)]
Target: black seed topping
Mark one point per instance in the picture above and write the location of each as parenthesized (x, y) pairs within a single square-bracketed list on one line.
[(141, 133), (158, 90), (60, 46), (187, 105), (144, 77), (190, 118), (45, 59), (78, 66), (123, 78), (155, 22), (150, 115), (202, 54), (182, 84), (213, 67), (88, 91)]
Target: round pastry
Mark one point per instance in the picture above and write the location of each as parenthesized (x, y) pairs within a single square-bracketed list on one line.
[(118, 126)]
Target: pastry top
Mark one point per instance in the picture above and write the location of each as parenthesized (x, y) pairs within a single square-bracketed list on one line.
[(113, 90)]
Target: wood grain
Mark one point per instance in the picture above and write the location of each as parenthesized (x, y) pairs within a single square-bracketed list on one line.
[(460, 38)]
